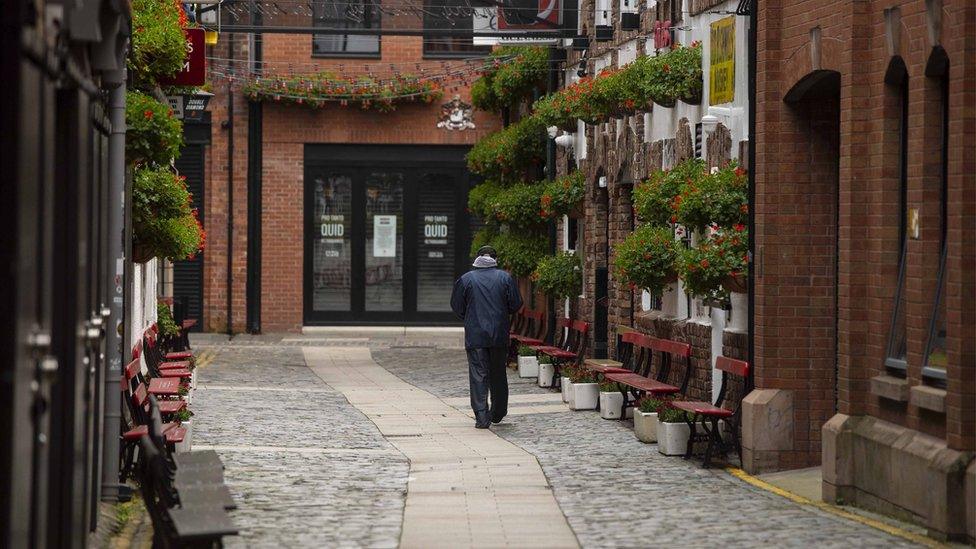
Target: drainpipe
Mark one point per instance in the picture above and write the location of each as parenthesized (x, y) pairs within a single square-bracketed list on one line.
[(751, 320), (229, 125), (551, 84), (118, 214)]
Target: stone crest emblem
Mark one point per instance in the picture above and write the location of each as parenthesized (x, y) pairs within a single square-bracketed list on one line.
[(456, 115)]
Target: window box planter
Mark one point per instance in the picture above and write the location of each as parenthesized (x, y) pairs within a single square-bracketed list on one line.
[(629, 21), (584, 396), (604, 33), (610, 404), (528, 366), (645, 426), (693, 99), (566, 385), (142, 254), (672, 438), (736, 284), (546, 374)]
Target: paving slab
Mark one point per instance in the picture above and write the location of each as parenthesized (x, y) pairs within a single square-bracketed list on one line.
[(467, 485)]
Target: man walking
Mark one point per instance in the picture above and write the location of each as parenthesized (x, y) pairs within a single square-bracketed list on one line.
[(484, 298)]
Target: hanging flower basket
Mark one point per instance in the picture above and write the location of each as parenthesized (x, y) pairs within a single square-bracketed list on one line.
[(693, 99), (142, 253)]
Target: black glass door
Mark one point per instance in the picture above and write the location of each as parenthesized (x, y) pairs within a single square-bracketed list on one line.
[(385, 237)]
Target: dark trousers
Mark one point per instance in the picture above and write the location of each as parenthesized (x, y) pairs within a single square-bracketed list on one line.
[(486, 373)]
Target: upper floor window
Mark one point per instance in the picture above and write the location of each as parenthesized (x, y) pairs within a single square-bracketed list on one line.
[(346, 14), (896, 84), (454, 36)]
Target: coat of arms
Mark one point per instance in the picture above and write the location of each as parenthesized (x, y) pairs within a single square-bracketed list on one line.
[(456, 115)]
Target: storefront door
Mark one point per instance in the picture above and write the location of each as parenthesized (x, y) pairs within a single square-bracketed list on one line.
[(385, 233)]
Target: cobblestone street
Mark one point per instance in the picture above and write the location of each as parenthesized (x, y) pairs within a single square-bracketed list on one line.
[(309, 469)]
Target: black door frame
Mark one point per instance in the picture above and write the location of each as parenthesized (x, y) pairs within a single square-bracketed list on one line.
[(357, 159)]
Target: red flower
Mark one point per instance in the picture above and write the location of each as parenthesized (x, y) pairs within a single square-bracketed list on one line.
[(739, 227), (148, 114), (740, 172), (704, 263), (744, 208)]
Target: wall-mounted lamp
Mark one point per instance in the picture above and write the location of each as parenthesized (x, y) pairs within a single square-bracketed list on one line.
[(565, 141), (552, 131), (602, 182)]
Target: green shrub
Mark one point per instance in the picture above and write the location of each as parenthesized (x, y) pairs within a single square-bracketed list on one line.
[(153, 134), (158, 41), (656, 199), (323, 88), (563, 195), (511, 152), (483, 96), (482, 199), (162, 220), (705, 267), (484, 237), (518, 205), (649, 405), (609, 386), (522, 71), (559, 276), (525, 350), (670, 414), (646, 258), (520, 252), (720, 198), (164, 319), (580, 375)]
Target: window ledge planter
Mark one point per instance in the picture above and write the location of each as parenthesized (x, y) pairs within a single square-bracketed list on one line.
[(528, 366), (672, 438), (645, 426), (610, 404), (546, 373), (584, 396)]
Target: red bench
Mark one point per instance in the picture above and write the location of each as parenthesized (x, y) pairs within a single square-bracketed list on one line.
[(528, 328), (158, 386), (573, 335), (648, 379), (158, 366), (625, 352), (726, 408)]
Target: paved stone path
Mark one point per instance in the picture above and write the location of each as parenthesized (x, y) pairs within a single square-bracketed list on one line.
[(310, 469)]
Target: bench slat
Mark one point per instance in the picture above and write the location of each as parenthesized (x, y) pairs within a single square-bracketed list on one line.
[(642, 383), (732, 366), (700, 407)]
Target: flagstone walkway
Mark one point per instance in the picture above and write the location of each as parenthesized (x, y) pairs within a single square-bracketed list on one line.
[(370, 443)]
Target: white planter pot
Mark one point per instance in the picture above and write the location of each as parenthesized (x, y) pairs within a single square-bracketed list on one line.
[(610, 404), (187, 443), (566, 385), (546, 373), (528, 366), (645, 426), (584, 396), (629, 412), (672, 438), (740, 312)]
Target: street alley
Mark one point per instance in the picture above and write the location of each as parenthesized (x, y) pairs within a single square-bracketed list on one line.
[(369, 442)]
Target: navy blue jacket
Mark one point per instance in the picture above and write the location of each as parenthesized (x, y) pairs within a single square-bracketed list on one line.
[(485, 298)]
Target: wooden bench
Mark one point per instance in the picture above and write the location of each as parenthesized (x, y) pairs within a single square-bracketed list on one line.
[(625, 352), (727, 406), (158, 365), (184, 513), (528, 328), (573, 335), (652, 363)]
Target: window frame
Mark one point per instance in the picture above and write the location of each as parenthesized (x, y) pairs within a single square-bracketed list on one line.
[(348, 55), (896, 365), (481, 51)]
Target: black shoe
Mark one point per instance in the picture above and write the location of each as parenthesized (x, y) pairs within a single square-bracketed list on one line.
[(481, 425), (497, 420)]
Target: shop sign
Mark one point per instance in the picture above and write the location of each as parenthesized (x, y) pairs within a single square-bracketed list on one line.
[(384, 235), (194, 72), (721, 69), (333, 232)]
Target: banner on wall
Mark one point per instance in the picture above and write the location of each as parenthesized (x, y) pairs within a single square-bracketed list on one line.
[(721, 70)]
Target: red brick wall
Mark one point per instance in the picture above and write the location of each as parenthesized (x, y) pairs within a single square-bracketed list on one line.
[(796, 196), (286, 129)]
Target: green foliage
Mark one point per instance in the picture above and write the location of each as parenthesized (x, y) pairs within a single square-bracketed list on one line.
[(609, 386), (580, 375), (482, 199), (563, 195), (164, 319), (184, 415), (559, 276), (562, 108), (153, 135), (484, 237), (545, 359), (655, 198), (646, 258), (319, 89), (670, 414), (518, 205), (649, 405), (705, 267), (720, 199), (511, 152), (162, 219), (525, 350), (511, 75), (522, 71), (158, 42), (520, 252)]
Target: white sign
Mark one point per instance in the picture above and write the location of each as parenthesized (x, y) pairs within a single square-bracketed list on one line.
[(384, 235), (486, 20)]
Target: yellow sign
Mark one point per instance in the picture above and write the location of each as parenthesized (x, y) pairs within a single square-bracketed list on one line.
[(721, 69)]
